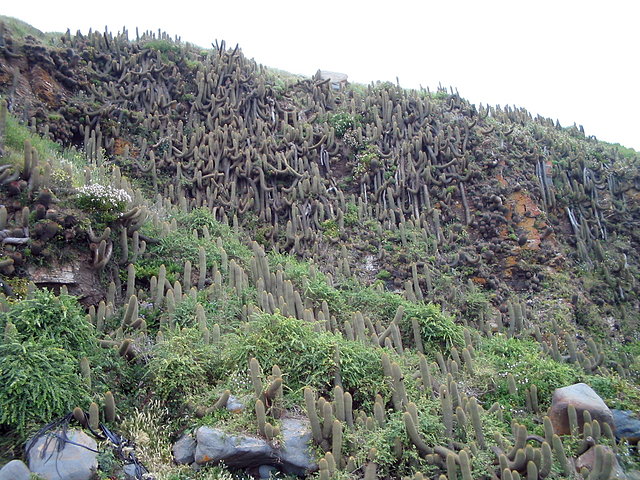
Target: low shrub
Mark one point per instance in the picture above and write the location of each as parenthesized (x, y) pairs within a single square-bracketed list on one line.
[(40, 381)]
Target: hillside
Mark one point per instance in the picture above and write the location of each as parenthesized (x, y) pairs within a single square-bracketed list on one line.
[(421, 271)]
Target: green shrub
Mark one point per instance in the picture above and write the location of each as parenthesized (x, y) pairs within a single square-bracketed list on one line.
[(182, 363), (306, 357), (342, 122), (181, 244), (524, 360), (45, 316), (40, 382), (438, 329)]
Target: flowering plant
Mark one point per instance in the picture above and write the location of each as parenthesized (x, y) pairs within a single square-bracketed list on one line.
[(102, 198)]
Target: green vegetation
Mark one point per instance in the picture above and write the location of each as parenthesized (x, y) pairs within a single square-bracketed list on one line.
[(40, 381), (413, 273)]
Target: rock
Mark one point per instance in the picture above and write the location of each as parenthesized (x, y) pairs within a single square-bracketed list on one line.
[(15, 470), (627, 426), (241, 451), (214, 445), (234, 404), (265, 471), (294, 453), (132, 471), (582, 397), (75, 461), (184, 450), (587, 459)]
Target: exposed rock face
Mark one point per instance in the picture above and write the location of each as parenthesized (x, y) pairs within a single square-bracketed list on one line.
[(582, 397), (212, 445), (75, 461), (14, 470)]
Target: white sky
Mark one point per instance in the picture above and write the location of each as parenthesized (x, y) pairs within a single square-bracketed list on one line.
[(576, 61)]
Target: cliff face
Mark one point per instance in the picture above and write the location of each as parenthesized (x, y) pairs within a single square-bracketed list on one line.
[(398, 178), (499, 217)]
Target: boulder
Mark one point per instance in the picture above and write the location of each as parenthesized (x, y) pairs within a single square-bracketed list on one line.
[(587, 460), (15, 470), (582, 397), (294, 453), (76, 460), (214, 445), (627, 426), (184, 450)]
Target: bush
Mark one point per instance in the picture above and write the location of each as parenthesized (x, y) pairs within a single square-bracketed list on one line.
[(182, 363), (181, 244), (306, 357), (102, 198), (45, 316), (40, 381), (524, 360)]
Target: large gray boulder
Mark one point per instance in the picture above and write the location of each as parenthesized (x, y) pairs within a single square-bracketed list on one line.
[(582, 397), (14, 470), (294, 453), (212, 445), (76, 460)]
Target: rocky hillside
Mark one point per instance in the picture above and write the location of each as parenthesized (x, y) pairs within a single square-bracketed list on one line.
[(410, 274)]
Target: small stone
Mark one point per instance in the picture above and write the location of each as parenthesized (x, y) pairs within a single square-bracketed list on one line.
[(15, 470), (132, 471), (184, 450), (265, 471), (76, 461), (582, 397), (234, 405)]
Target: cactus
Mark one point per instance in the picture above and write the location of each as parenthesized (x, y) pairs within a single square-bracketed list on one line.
[(573, 419), (94, 416), (546, 460), (109, 408), (447, 412), (261, 417), (561, 457), (414, 435), (474, 410), (310, 404), (511, 384), (520, 439), (465, 465), (85, 370), (254, 371), (336, 440), (452, 467), (80, 417), (222, 401), (371, 470)]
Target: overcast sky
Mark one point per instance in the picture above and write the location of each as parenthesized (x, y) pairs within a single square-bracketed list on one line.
[(576, 61)]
